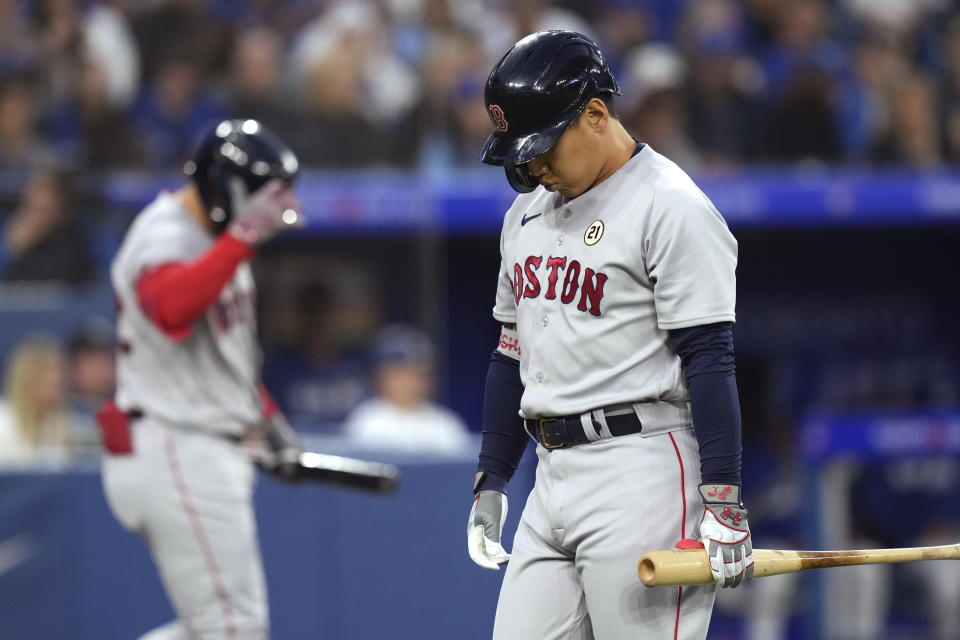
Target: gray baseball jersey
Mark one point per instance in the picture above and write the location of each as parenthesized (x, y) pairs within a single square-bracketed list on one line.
[(209, 380), (593, 284)]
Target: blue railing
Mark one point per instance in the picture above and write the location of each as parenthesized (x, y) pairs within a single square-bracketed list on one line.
[(474, 200)]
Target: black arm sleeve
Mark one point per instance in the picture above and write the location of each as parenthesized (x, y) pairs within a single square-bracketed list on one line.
[(504, 440), (706, 352)]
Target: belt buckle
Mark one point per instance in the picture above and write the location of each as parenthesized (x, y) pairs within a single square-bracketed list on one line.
[(543, 435)]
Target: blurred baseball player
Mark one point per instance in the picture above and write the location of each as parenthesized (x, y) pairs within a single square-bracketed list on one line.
[(616, 295), (188, 388)]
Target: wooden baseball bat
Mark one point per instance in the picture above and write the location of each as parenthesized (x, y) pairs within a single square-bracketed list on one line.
[(690, 566)]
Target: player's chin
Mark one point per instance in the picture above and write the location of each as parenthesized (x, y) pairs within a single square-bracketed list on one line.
[(568, 192)]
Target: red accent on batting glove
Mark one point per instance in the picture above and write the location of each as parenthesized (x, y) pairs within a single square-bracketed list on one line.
[(688, 543)]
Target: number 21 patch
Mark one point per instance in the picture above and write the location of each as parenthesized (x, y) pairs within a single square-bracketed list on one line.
[(593, 233)]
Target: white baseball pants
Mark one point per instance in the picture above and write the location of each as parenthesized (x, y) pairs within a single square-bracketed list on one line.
[(595, 509), (190, 495)]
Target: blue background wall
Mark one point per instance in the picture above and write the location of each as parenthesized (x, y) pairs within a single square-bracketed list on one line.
[(339, 564)]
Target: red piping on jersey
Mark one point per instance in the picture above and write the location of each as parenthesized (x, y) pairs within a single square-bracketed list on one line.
[(683, 528), (175, 295), (230, 629)]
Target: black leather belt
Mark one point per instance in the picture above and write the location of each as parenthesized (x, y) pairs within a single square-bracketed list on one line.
[(566, 431)]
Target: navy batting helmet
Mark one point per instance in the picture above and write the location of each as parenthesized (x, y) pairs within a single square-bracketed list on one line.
[(535, 92), (242, 149)]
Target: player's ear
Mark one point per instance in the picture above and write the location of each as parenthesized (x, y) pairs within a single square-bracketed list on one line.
[(595, 115)]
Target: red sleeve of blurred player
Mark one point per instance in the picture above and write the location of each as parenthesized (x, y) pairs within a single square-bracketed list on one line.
[(175, 295)]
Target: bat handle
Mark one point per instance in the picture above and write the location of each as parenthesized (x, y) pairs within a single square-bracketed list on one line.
[(685, 566)]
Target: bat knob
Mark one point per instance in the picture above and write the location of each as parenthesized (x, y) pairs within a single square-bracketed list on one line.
[(646, 570), (389, 479)]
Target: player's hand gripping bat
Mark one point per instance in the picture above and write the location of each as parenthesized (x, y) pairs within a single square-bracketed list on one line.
[(691, 566)]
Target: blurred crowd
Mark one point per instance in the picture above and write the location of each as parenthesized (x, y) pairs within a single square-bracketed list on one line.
[(711, 83), (90, 86), (50, 395)]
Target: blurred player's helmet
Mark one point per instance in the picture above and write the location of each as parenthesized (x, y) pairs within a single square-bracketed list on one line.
[(535, 92), (243, 149)]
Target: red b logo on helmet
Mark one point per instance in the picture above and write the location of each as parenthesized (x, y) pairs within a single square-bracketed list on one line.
[(496, 114)]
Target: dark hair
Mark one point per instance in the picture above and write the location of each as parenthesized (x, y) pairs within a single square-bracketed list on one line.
[(606, 97)]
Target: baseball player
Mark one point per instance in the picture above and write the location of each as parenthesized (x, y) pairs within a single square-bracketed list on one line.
[(188, 389), (616, 295)]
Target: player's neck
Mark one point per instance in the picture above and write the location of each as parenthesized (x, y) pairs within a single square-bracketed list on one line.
[(190, 198), (619, 151)]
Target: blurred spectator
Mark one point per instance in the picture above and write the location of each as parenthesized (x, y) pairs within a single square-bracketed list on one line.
[(34, 423), (89, 130), (42, 238), (721, 94), (401, 416), (861, 497), (255, 87), (60, 46), (284, 18), (950, 89), (877, 67), (20, 144), (372, 83), (184, 26), (453, 119), (17, 40), (523, 17), (110, 46), (91, 378), (800, 71), (359, 93), (654, 109), (914, 139), (624, 25), (174, 110), (317, 377)]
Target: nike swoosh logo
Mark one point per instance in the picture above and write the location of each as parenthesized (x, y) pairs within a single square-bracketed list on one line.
[(527, 219)]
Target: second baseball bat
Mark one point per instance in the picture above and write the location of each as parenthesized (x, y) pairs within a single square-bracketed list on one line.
[(349, 472), (690, 566)]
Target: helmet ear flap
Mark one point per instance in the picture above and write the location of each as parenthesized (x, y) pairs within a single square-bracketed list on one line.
[(520, 178), (212, 191)]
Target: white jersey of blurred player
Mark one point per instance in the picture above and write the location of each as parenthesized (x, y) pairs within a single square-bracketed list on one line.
[(160, 376), (187, 487), (577, 279)]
